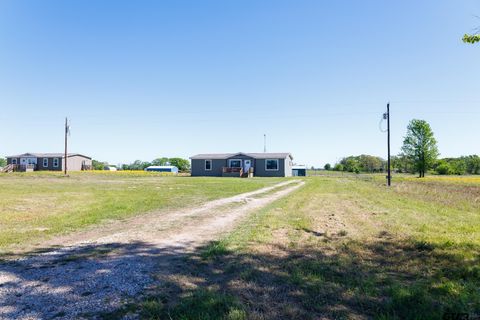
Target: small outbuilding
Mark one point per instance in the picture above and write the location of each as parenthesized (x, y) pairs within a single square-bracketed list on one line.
[(299, 171), (171, 169)]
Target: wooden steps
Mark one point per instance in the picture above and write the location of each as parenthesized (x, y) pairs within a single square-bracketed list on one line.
[(9, 168)]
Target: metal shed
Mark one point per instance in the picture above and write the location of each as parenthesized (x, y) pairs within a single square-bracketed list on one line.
[(171, 169), (299, 171)]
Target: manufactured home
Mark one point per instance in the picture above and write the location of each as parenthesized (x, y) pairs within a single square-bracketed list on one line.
[(242, 164), (48, 162)]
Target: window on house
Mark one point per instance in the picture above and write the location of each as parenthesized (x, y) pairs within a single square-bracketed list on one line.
[(271, 164), (55, 162), (14, 161), (208, 165), (235, 163), (45, 162)]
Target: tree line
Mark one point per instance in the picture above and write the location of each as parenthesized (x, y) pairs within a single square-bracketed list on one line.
[(402, 164), (183, 165), (419, 154), (357, 164)]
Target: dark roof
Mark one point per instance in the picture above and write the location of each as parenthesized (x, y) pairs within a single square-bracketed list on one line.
[(263, 155), (212, 156), (47, 155)]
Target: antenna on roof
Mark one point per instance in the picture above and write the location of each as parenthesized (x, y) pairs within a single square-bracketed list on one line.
[(264, 143), (67, 133)]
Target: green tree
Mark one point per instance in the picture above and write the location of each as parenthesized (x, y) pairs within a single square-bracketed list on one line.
[(182, 164), (350, 164), (98, 165), (420, 146), (338, 167), (160, 161), (473, 164), (443, 167), (328, 166), (396, 163), (403, 164), (3, 162), (137, 165), (471, 38), (459, 166), (369, 163)]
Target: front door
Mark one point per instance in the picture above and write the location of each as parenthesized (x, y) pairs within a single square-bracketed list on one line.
[(29, 163), (247, 164)]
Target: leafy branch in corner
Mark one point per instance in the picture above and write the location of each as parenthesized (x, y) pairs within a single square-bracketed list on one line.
[(467, 38)]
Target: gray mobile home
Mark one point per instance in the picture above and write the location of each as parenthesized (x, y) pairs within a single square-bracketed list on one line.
[(242, 164)]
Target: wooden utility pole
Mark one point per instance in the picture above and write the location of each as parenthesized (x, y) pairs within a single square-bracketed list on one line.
[(66, 143), (264, 143), (389, 176)]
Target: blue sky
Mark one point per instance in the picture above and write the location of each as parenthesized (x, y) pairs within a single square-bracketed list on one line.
[(144, 79)]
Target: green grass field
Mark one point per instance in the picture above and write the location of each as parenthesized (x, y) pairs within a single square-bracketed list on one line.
[(340, 248), (35, 206)]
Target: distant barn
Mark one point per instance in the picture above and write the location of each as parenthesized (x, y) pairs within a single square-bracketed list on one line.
[(171, 169)]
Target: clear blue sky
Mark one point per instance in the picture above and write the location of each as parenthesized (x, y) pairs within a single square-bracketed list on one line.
[(144, 79)]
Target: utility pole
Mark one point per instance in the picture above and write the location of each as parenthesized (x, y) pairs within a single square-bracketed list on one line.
[(66, 143), (264, 143), (389, 174)]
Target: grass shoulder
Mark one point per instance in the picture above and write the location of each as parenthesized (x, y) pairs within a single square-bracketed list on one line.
[(346, 248)]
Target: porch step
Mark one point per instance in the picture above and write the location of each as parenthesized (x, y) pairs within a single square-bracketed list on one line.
[(8, 168)]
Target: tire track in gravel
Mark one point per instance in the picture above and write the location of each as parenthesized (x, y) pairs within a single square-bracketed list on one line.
[(97, 270)]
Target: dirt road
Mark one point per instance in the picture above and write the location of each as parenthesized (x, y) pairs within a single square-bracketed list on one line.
[(97, 270)]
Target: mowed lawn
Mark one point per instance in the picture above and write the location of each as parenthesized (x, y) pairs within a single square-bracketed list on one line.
[(34, 206), (340, 248)]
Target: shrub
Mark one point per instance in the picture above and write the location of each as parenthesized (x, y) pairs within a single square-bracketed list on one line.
[(459, 167), (444, 168), (338, 167)]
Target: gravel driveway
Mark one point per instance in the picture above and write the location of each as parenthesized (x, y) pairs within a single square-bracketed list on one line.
[(98, 270)]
